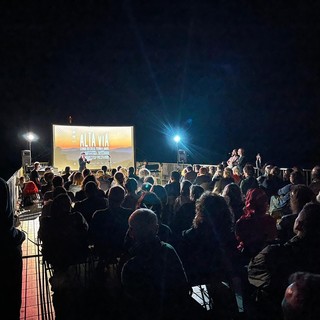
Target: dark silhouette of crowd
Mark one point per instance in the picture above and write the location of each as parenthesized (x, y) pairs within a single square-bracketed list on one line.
[(245, 232)]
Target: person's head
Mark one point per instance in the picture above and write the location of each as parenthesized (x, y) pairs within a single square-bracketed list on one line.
[(267, 169), (146, 187), (301, 300), (83, 155), (144, 172), (240, 152), (150, 201), (149, 179), (212, 211), (234, 152), (131, 185), (124, 172), (256, 202), (67, 169), (36, 165), (99, 173), (119, 178), (185, 188), (61, 205), (91, 189), (113, 171), (248, 170), (232, 193), (197, 167), (307, 224), (131, 170), (300, 195), (143, 225), (203, 171), (189, 168), (78, 178), (296, 177), (195, 192), (227, 172), (86, 172), (48, 177), (161, 192), (57, 181), (275, 171), (175, 176), (104, 168), (236, 171), (116, 195), (315, 173), (88, 178)]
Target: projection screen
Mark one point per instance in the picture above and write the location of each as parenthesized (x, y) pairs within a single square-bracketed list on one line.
[(110, 146)]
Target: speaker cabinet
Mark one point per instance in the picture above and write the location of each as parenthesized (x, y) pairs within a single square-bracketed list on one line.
[(26, 158)]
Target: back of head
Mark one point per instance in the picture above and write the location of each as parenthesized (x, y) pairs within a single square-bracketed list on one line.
[(233, 192), (296, 177), (212, 211), (189, 168), (30, 188), (143, 225), (57, 181), (175, 176), (61, 205), (195, 192), (257, 202), (119, 177), (300, 195), (86, 172), (104, 169), (48, 176), (77, 178), (203, 171), (249, 170), (301, 300), (116, 195), (161, 192), (88, 178), (91, 189), (307, 223), (149, 179), (185, 187), (146, 186), (150, 201), (131, 185), (315, 173), (227, 172), (131, 170)]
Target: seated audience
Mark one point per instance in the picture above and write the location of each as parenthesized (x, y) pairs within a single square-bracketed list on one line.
[(249, 181)]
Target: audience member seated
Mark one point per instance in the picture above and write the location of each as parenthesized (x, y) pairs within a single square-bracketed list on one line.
[(173, 191), (161, 192), (108, 228), (81, 194), (301, 300), (226, 179), (66, 175), (190, 174), (153, 277), (273, 182), (63, 235), (315, 180), (233, 197), (57, 181), (131, 173), (184, 196), (149, 179), (75, 186), (236, 174), (30, 194), (131, 198), (256, 228), (208, 251), (280, 204), (217, 176), (92, 202), (34, 175), (300, 195), (11, 240), (103, 180), (249, 181), (119, 179), (48, 185), (203, 179), (265, 175), (269, 271), (183, 218)]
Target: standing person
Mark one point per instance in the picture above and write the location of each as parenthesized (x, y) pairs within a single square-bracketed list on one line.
[(34, 174), (11, 269), (242, 160), (83, 162)]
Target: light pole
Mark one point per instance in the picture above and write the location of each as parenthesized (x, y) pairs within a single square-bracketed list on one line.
[(30, 137)]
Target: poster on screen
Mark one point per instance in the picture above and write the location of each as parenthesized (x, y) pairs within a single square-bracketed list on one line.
[(103, 145)]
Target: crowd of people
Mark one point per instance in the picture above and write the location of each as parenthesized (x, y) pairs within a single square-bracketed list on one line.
[(239, 228)]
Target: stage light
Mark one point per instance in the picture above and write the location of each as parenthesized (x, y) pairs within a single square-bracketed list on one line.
[(30, 137), (177, 138)]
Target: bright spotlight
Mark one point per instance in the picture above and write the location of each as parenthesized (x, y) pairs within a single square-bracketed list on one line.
[(30, 137), (177, 138)]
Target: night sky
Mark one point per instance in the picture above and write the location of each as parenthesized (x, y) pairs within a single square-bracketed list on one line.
[(228, 74)]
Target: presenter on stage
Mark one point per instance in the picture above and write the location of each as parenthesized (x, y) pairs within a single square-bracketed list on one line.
[(83, 162)]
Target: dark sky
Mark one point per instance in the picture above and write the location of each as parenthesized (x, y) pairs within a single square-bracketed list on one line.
[(228, 73)]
